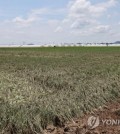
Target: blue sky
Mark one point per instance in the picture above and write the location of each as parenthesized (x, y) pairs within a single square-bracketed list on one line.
[(59, 21)]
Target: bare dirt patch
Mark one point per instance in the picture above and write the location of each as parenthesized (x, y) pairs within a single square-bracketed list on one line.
[(80, 126)]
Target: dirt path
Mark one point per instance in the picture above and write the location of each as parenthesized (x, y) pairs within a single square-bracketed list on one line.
[(105, 120)]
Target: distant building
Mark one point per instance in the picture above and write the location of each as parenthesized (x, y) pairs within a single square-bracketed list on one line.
[(30, 44), (117, 42)]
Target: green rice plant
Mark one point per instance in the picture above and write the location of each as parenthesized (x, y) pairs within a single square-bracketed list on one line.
[(41, 86)]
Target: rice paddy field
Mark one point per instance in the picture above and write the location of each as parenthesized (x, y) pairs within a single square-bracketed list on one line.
[(41, 86)]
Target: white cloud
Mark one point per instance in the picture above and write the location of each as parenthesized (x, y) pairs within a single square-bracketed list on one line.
[(59, 29), (36, 25), (43, 11), (33, 16), (23, 22), (37, 15), (81, 23), (84, 8), (40, 11), (98, 29), (101, 29), (81, 18), (84, 17)]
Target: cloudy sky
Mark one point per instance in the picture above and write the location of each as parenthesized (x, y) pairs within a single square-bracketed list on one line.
[(59, 21)]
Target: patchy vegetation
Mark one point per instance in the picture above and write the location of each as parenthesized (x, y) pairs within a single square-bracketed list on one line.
[(41, 86)]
